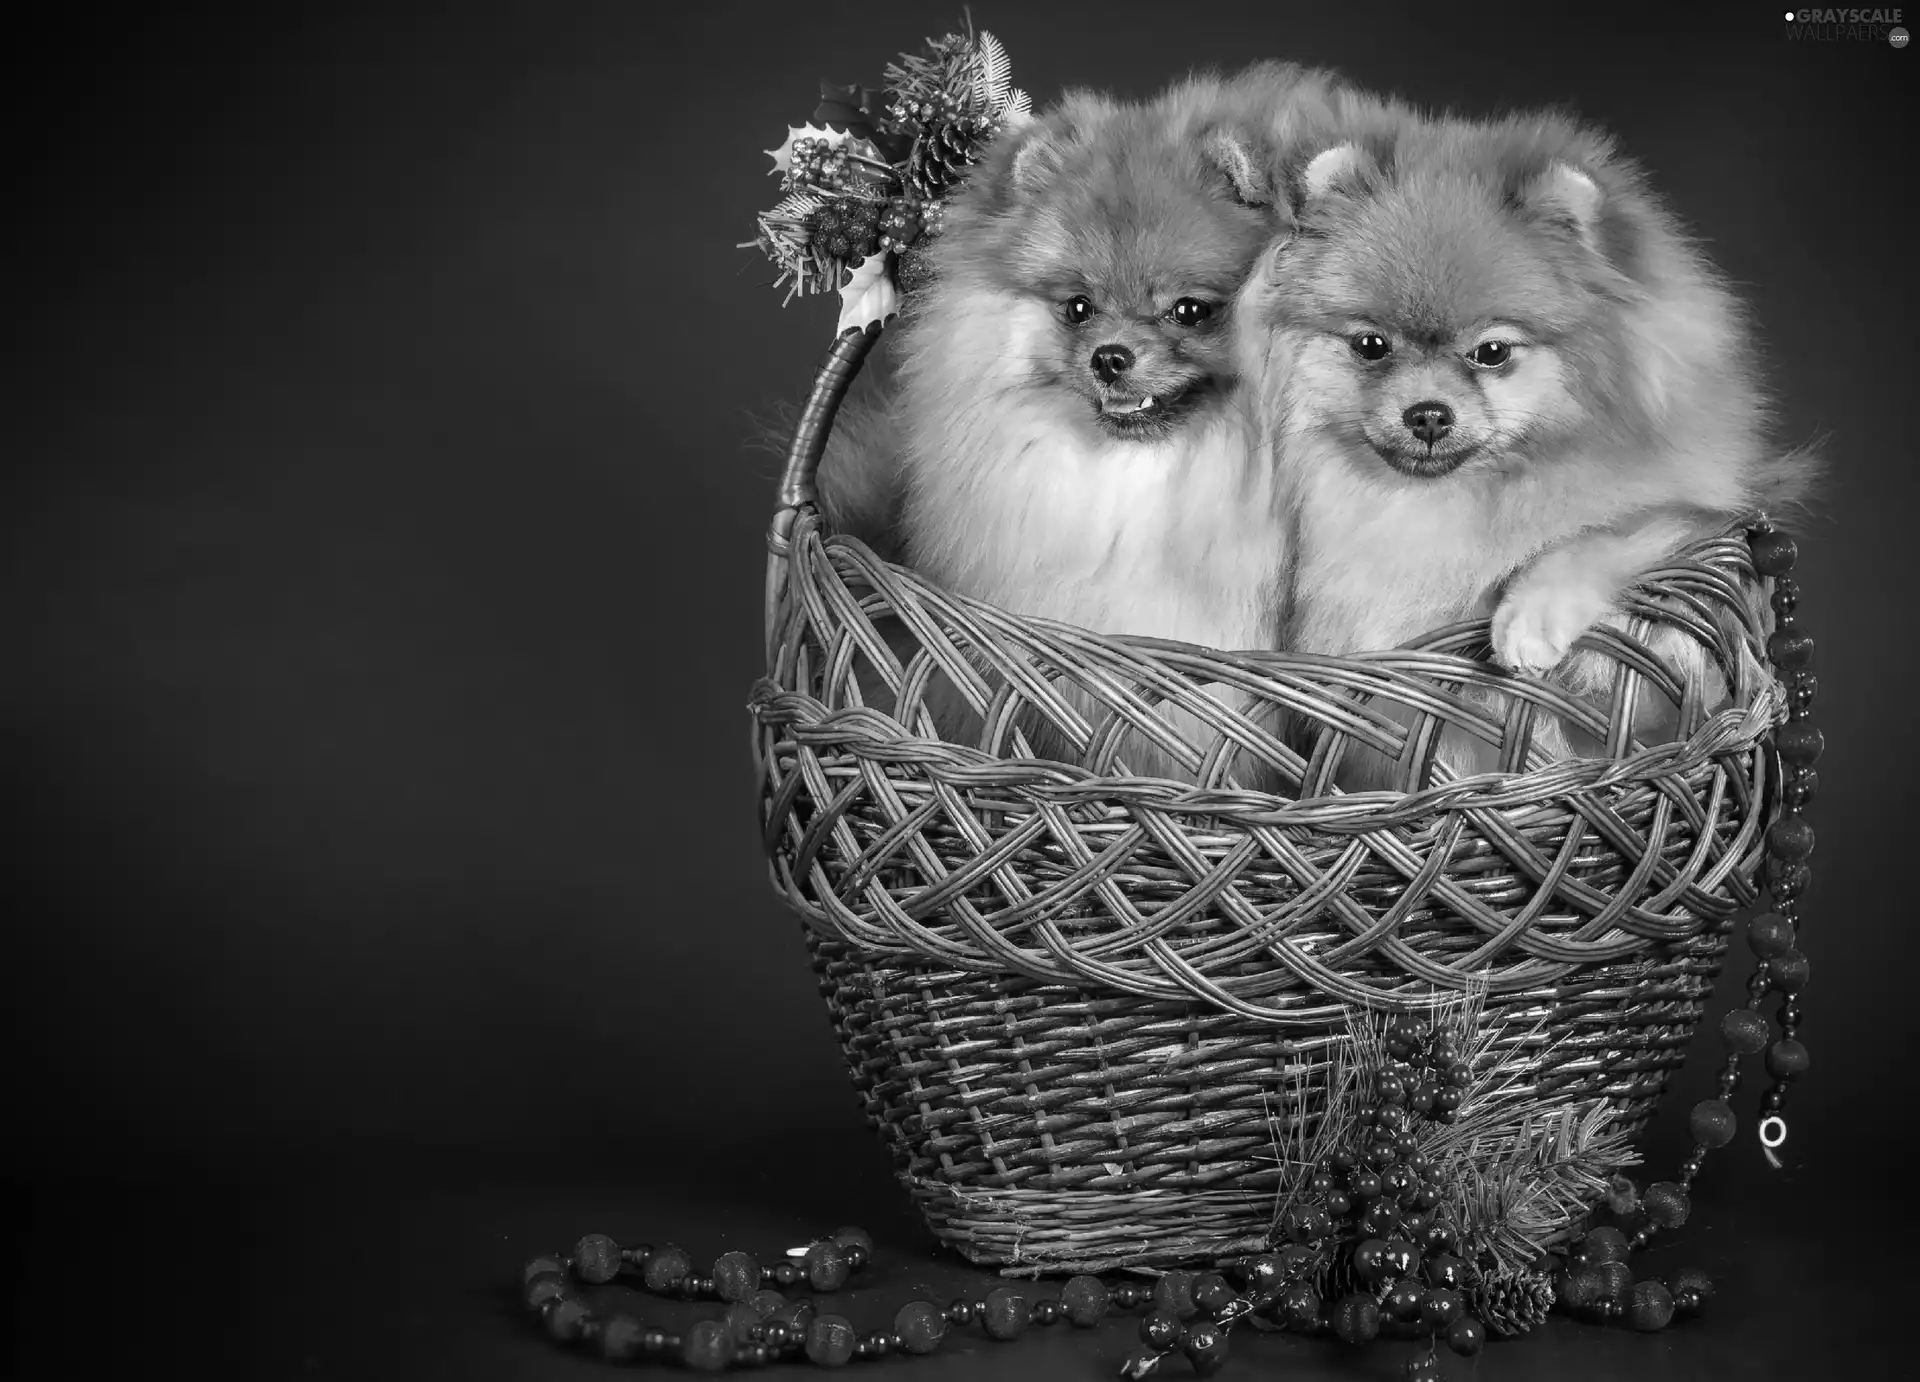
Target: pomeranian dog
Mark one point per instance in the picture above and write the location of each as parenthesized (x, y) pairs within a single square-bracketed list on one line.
[(1499, 381), (1066, 439)]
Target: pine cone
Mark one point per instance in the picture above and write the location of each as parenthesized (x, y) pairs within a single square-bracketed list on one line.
[(941, 157), (1510, 1301), (1338, 1278)]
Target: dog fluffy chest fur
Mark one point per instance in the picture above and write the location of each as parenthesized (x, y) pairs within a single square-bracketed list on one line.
[(1178, 538), (1379, 563)]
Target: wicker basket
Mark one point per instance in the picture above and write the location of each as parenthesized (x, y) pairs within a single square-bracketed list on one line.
[(1085, 1010)]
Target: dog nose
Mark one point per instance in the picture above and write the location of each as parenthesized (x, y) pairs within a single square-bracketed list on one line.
[(1112, 361), (1428, 421)]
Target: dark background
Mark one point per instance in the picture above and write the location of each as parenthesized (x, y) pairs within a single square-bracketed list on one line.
[(384, 567)]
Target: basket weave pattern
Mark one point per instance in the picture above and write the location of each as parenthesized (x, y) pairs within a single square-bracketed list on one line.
[(1088, 1011)]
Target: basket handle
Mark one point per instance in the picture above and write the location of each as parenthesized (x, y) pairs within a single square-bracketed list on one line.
[(830, 384)]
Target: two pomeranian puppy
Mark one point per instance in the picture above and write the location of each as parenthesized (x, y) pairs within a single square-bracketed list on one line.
[(1272, 363)]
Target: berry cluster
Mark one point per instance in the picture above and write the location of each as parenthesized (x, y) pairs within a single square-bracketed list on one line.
[(1384, 1184), (937, 108), (903, 151), (848, 230), (820, 165), (1401, 1275), (1191, 1314), (901, 224), (851, 228)]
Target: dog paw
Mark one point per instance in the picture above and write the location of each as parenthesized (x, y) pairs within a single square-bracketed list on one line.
[(1534, 629)]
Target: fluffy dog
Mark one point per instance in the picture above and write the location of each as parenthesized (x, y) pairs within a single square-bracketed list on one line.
[(1067, 439), (1498, 381)]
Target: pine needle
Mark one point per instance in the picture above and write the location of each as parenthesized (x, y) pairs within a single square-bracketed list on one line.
[(995, 74), (1520, 1172)]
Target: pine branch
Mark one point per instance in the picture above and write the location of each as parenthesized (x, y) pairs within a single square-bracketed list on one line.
[(1526, 1173), (1518, 1172), (995, 74), (786, 238), (1341, 1097)]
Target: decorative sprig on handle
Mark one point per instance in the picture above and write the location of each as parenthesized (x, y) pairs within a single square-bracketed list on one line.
[(867, 177)]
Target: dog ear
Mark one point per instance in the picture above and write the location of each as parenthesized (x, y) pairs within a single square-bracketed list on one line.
[(1234, 153), (1343, 168), (1036, 158), (1568, 198)]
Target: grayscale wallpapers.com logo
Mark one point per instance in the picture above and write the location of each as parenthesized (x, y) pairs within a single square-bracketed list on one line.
[(1855, 26)]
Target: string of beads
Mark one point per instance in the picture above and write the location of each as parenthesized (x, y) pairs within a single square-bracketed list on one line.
[(1773, 935), (1181, 1313)]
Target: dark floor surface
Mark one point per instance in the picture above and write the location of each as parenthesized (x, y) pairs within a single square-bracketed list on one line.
[(355, 1274)]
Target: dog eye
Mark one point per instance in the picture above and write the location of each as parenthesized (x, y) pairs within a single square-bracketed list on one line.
[(1490, 354), (1372, 347), (1079, 309), (1191, 311)]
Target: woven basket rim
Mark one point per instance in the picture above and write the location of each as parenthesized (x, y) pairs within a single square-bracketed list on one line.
[(1735, 728)]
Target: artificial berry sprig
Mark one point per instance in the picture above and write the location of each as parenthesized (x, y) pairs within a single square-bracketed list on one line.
[(824, 165), (1192, 1314), (1384, 1191), (872, 178)]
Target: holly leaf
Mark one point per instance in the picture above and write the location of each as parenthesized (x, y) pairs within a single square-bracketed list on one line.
[(856, 109), (859, 147), (868, 100), (835, 93), (868, 296), (783, 156)]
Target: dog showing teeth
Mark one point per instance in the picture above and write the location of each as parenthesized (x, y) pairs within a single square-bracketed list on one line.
[(1067, 441)]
